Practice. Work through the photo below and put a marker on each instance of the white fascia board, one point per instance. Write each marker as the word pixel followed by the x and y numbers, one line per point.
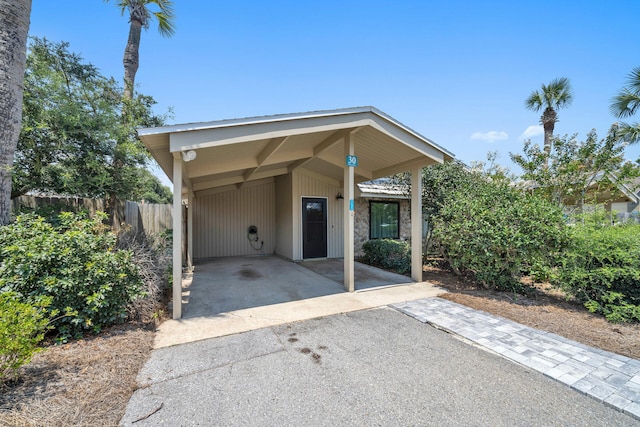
pixel 258 131
pixel 186 127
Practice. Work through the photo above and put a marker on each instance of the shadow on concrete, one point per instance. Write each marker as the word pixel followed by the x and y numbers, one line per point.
pixel 222 285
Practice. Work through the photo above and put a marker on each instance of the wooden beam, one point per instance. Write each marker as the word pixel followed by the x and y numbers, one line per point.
pixel 264 155
pixel 271 148
pixel 330 141
pixel 349 217
pixel 416 224
pixel 177 237
pixel 299 163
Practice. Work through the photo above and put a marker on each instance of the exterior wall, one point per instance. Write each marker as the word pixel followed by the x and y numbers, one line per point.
pixel 220 221
pixel 284 216
pixel 623 207
pixel 362 221
pixel 308 184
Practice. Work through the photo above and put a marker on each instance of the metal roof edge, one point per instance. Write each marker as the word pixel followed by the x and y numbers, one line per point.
pixel 185 127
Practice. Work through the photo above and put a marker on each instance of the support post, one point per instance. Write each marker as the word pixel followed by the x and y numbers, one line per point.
pixel 190 196
pixel 349 215
pixel 416 224
pixel 177 237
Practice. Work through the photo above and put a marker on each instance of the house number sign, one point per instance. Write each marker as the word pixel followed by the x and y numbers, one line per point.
pixel 352 161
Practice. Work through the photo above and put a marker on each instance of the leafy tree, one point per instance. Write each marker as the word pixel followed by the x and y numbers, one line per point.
pixel 550 98
pixel 14 26
pixel 625 104
pixel 140 15
pixel 576 172
pixel 74 140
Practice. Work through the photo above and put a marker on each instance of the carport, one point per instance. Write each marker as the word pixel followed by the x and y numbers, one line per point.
pixel 283 184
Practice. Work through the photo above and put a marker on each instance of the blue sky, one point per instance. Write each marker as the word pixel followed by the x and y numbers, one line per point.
pixel 455 71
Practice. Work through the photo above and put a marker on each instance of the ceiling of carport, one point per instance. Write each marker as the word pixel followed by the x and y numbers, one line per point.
pixel 237 151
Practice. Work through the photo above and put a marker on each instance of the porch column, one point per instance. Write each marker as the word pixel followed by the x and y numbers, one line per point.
pixel 416 224
pixel 177 236
pixel 190 230
pixel 349 215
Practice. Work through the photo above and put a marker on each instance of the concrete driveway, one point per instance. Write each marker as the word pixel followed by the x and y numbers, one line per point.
pixel 238 294
pixel 369 367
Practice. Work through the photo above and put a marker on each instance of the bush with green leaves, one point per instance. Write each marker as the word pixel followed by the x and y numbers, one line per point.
pixel 388 253
pixel 22 327
pixel 75 262
pixel 602 267
pixel 489 229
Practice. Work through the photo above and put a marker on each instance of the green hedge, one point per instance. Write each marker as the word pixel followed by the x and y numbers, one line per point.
pixel 497 233
pixel 602 268
pixel 22 327
pixel 76 264
pixel 387 253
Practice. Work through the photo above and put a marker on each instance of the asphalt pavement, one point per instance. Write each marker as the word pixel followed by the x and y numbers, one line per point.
pixel 366 368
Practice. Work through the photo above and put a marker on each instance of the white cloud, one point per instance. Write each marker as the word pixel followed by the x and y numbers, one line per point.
pixel 491 136
pixel 531 131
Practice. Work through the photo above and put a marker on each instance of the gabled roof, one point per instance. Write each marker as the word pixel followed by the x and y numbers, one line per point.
pixel 232 152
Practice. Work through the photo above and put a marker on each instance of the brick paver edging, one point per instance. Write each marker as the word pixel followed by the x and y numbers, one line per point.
pixel 607 377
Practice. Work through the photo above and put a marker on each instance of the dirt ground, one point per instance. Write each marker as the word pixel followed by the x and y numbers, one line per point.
pixel 89 382
pixel 83 383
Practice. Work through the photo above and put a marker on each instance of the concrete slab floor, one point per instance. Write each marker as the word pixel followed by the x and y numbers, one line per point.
pixel 366 276
pixel 232 295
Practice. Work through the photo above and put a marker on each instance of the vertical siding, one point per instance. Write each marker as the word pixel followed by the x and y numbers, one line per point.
pixel 221 221
pixel 284 216
pixel 308 186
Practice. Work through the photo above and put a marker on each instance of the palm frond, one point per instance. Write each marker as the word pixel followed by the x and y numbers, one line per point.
pixel 165 17
pixel 627 101
pixel 534 101
pixel 629 132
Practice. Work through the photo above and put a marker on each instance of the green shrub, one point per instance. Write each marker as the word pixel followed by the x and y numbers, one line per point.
pixel 602 268
pixel 387 253
pixel 75 263
pixel 495 232
pixel 22 327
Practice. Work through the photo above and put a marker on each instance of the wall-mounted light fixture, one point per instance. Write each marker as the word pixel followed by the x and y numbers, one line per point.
pixel 339 196
pixel 187 156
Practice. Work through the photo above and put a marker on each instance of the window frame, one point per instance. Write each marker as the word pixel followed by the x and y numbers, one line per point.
pixel 384 202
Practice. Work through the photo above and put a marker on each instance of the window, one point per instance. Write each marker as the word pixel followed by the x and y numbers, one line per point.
pixel 384 220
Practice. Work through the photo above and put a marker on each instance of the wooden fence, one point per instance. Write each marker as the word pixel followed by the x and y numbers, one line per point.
pixel 142 217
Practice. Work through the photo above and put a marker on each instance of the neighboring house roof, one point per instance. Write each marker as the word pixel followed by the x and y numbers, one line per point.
pixel 382 188
pixel 232 152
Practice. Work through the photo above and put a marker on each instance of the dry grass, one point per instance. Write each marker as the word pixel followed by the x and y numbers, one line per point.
pixel 84 383
pixel 546 308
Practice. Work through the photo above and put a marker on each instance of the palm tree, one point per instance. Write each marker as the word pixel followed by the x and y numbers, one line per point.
pixel 626 104
pixel 14 27
pixel 551 97
pixel 140 15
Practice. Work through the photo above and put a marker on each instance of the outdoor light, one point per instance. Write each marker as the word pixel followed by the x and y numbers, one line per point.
pixel 339 196
pixel 187 156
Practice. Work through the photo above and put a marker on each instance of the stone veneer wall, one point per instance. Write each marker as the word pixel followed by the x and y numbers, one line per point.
pixel 362 221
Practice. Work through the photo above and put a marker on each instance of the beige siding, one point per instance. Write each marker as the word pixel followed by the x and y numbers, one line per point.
pixel 221 221
pixel 284 216
pixel 309 185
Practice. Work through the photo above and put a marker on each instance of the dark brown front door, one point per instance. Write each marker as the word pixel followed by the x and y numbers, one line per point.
pixel 314 227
